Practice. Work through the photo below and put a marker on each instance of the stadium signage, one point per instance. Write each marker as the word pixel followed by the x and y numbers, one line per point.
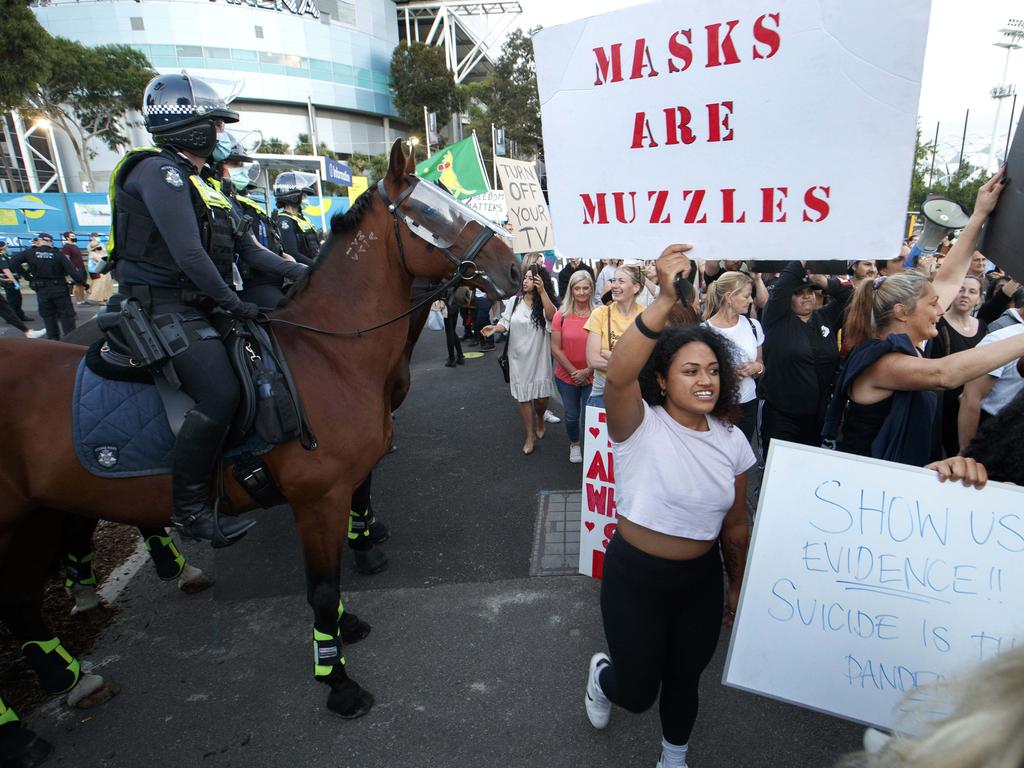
pixel 296 7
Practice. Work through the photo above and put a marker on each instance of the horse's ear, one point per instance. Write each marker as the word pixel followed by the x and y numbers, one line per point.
pixel 410 161
pixel 397 164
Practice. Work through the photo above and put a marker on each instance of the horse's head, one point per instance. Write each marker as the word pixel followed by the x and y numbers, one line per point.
pixel 447 235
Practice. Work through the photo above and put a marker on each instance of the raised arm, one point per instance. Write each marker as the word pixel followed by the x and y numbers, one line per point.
pixel 778 306
pixel 951 274
pixel 622 390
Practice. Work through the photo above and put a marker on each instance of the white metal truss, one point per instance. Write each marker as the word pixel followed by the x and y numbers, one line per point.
pixel 41 171
pixel 441 23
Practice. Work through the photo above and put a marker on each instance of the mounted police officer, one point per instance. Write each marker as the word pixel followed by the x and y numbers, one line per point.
pixel 49 270
pixel 298 236
pixel 262 268
pixel 173 243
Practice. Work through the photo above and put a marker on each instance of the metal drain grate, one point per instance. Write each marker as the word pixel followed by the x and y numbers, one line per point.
pixel 556 538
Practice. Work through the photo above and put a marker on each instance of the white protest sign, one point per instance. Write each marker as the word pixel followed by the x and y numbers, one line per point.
pixel 867 579
pixel 752 131
pixel 599 514
pixel 528 218
pixel 490 205
pixel 92 214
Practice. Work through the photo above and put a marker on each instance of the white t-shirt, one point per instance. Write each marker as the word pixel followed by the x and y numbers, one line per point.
pixel 601 284
pixel 746 336
pixel 676 480
pixel 1008 382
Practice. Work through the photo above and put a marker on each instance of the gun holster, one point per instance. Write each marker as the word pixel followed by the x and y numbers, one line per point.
pixel 148 341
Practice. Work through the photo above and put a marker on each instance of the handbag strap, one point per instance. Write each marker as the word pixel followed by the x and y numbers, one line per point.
pixel 508 331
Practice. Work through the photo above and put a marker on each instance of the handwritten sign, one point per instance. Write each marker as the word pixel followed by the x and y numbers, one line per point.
pixel 528 217
pixel 732 124
pixel 490 205
pixel 867 579
pixel 599 514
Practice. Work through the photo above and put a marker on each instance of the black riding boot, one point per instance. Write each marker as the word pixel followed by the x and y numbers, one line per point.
pixel 196 451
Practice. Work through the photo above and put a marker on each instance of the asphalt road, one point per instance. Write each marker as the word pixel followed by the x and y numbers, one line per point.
pixel 472 661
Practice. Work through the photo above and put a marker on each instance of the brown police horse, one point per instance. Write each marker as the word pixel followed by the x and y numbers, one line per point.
pixel 348 385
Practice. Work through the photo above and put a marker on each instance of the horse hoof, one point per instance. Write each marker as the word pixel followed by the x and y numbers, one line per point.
pixel 349 701
pixel 91 691
pixel 352 629
pixel 85 598
pixel 194 580
pixel 370 561
pixel 21 748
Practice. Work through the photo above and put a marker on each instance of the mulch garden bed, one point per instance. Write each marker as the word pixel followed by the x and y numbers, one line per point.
pixel 113 543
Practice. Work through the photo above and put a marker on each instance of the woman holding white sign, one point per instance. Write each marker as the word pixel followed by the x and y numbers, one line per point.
pixel 608 322
pixel 681 477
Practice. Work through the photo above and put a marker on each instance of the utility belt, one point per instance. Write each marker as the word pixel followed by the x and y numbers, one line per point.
pixel 149 296
pixel 47 283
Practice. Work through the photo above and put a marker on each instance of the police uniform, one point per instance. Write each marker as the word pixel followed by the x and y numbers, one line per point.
pixel 172 246
pixel 49 270
pixel 298 237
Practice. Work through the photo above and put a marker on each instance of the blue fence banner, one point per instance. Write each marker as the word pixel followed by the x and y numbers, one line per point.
pixel 338 173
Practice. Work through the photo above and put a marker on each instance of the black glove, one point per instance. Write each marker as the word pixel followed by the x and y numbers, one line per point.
pixel 246 310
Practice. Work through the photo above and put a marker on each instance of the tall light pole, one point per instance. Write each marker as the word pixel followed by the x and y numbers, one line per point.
pixel 1012 34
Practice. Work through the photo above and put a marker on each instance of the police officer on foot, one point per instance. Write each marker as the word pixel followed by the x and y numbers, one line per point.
pixel 298 237
pixel 172 247
pixel 49 270
pixel 262 268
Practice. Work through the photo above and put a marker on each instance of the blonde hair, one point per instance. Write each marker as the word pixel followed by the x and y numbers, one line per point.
pixel 985 730
pixel 634 273
pixel 875 300
pixel 727 282
pixel 568 302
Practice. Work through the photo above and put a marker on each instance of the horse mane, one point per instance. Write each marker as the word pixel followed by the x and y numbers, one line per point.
pixel 340 224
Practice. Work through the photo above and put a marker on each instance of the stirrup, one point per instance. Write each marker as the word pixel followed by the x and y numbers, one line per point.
pixel 218 539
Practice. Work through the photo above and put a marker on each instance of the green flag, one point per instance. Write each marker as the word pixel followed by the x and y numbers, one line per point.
pixel 459 168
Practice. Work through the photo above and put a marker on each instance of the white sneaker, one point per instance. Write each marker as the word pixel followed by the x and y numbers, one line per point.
pixel 36 334
pixel 550 418
pixel 599 709
pixel 575 455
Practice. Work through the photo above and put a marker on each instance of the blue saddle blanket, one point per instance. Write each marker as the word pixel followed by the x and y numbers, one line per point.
pixel 120 429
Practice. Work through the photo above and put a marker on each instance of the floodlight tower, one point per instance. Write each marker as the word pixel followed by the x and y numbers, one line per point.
pixel 1012 34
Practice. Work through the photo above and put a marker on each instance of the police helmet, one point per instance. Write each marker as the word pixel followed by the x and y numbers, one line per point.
pixel 180 111
pixel 290 186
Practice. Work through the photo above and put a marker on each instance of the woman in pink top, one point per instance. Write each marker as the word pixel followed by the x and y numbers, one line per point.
pixel 569 347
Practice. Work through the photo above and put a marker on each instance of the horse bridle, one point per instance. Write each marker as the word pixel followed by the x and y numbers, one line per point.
pixel 465 268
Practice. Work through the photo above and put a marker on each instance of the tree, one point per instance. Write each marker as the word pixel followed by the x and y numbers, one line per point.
pixel 273 146
pixel 959 185
pixel 88 94
pixel 514 103
pixel 420 78
pixel 305 147
pixel 374 167
pixel 27 44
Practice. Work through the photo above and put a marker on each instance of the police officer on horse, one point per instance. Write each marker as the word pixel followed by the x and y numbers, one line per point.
pixel 173 244
pixel 298 236
pixel 262 268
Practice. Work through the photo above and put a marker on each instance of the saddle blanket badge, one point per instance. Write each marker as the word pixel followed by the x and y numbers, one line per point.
pixel 106 456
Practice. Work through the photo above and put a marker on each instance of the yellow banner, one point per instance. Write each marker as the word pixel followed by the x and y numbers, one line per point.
pixel 359 185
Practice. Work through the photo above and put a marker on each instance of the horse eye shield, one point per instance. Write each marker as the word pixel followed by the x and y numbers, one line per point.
pixel 440 219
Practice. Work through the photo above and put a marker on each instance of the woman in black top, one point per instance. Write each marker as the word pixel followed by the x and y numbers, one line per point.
pixel 958 330
pixel 801 355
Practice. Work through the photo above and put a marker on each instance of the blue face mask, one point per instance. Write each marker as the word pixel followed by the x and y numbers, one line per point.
pixel 240 177
pixel 223 149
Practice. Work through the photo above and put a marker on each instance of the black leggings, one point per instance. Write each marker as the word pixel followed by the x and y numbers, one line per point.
pixel 450 337
pixel 662 619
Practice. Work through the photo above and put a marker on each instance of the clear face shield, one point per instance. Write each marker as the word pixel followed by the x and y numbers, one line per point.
pixel 295 181
pixel 213 95
pixel 440 219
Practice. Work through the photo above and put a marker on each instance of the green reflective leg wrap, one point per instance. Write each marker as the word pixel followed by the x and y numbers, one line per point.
pixel 58 670
pixel 359 529
pixel 79 571
pixel 326 653
pixel 7 716
pixel 166 557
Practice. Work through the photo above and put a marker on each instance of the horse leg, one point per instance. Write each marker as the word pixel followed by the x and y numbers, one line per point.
pixel 59 672
pixel 19 745
pixel 170 564
pixel 364 532
pixel 323 532
pixel 76 554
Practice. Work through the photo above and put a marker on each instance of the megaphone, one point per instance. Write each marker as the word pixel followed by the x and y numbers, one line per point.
pixel 941 216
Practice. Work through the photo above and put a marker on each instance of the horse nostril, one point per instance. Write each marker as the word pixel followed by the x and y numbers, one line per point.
pixel 515 273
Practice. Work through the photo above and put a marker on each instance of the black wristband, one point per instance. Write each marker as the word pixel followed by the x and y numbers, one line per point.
pixel 653 335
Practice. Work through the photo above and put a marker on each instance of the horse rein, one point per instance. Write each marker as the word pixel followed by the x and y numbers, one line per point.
pixel 465 269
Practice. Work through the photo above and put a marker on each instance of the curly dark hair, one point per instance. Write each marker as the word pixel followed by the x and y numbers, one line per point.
pixel 537 310
pixel 673 339
pixel 998 444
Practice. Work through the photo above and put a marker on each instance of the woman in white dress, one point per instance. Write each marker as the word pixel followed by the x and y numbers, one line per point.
pixel 527 319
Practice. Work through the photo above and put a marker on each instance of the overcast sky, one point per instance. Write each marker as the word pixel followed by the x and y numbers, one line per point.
pixel 961 65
